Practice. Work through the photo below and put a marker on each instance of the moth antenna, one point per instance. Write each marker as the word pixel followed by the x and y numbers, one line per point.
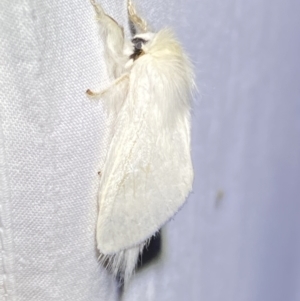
pixel 135 19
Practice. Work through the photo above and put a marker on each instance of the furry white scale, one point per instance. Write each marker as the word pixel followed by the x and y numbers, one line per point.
pixel 148 170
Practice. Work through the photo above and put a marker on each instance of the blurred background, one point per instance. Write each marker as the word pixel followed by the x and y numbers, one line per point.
pixel 237 238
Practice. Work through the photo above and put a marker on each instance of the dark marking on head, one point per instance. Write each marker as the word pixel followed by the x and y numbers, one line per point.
pixel 136 54
pixel 138 48
pixel 138 43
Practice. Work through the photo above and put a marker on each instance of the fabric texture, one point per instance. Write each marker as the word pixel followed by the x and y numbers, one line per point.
pixel 52 142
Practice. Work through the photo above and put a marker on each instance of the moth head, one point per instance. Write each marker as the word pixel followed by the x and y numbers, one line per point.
pixel 139 44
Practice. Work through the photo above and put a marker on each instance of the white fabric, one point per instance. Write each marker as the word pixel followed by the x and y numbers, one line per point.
pixel 51 144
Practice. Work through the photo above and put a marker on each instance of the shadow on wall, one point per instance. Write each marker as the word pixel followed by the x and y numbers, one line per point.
pixel 150 254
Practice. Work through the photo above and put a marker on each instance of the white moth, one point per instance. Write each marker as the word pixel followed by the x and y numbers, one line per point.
pixel 148 171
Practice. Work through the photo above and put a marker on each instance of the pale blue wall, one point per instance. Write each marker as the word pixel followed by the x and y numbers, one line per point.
pixel 246 143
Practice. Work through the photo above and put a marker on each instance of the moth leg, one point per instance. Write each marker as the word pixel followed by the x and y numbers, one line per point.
pixel 137 21
pixel 115 83
pixel 113 36
pixel 106 21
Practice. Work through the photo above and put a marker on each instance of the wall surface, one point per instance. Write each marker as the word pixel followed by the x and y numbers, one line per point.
pixel 238 236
